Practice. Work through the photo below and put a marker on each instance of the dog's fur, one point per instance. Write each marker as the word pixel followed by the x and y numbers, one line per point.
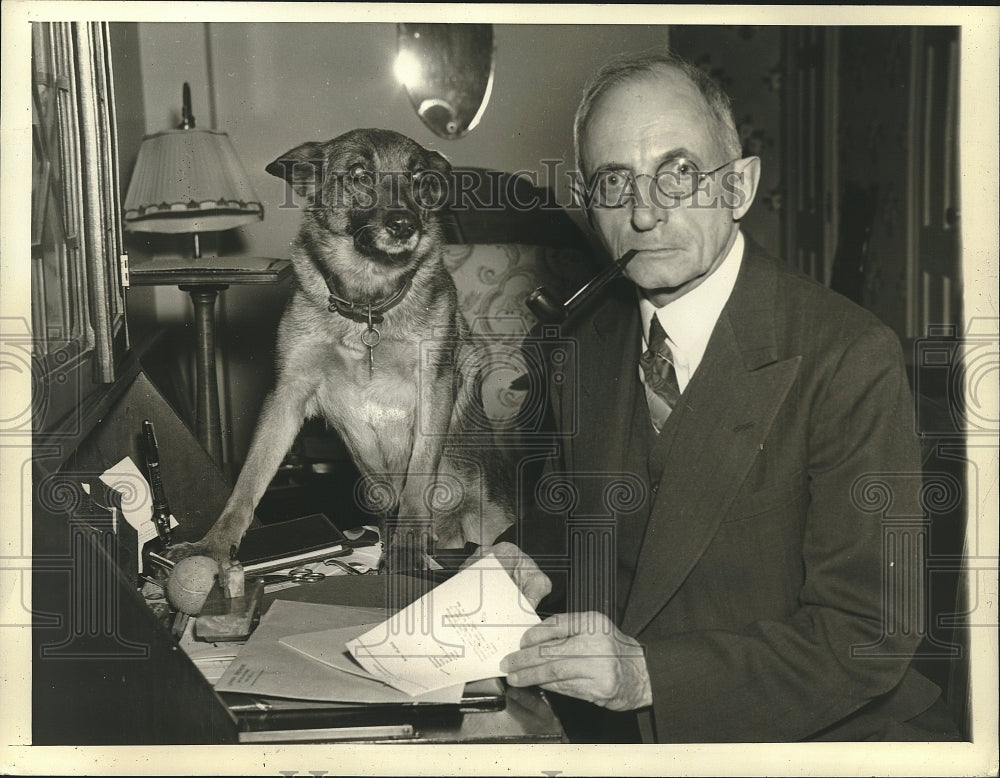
pixel 416 424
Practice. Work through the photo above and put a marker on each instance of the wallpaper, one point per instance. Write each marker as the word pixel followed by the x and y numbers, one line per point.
pixel 747 61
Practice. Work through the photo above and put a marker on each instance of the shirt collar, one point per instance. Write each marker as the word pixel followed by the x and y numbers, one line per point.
pixel 690 319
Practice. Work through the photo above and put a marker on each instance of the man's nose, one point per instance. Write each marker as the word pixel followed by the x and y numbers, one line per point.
pixel 647 211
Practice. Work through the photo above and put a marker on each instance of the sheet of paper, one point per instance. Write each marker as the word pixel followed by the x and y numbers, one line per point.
pixel 211 658
pixel 457 632
pixel 264 666
pixel 329 646
pixel 137 500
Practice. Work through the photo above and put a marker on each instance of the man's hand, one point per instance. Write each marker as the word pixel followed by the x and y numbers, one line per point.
pixel 582 655
pixel 532 582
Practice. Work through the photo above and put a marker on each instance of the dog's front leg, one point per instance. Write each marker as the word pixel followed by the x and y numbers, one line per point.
pixel 280 420
pixel 410 538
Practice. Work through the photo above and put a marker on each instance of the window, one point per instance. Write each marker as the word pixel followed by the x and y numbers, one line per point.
pixel 77 306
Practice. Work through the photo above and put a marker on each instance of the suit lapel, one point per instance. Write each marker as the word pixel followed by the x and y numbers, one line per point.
pixel 608 354
pixel 709 443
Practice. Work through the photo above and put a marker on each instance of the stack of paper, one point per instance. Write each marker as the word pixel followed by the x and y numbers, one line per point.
pixel 427 652
pixel 456 633
pixel 266 667
pixel 211 658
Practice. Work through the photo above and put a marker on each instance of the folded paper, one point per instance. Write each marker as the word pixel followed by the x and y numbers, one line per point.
pixel 456 633
pixel 264 666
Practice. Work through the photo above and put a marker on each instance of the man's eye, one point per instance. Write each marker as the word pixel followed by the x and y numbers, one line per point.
pixel 613 182
pixel 680 167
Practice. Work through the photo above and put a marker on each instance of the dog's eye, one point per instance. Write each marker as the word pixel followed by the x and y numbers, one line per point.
pixel 359 174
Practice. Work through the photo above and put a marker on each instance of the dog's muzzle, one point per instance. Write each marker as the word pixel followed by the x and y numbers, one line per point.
pixel 389 236
pixel 401 224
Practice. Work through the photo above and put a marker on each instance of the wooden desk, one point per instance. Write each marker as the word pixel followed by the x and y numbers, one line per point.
pixel 203 279
pixel 106 670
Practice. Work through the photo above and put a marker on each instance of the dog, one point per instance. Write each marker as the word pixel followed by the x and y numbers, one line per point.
pixel 372 340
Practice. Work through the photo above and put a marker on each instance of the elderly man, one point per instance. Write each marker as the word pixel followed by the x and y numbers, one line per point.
pixel 758 591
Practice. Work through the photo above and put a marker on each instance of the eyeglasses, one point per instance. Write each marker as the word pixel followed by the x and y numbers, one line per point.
pixel 674 180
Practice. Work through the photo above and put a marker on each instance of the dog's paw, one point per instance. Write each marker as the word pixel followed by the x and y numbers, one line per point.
pixel 219 551
pixel 407 549
pixel 179 551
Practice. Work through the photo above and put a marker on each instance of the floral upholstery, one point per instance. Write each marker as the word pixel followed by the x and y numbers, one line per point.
pixel 493 281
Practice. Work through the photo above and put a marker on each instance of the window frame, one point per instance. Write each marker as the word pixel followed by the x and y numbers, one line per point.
pixel 79 333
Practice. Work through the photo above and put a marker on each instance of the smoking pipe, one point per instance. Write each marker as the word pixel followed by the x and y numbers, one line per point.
pixel 545 306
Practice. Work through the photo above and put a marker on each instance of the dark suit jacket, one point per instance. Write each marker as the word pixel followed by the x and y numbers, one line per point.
pixel 778 591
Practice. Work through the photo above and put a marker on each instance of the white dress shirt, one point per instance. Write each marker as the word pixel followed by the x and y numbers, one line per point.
pixel 688 322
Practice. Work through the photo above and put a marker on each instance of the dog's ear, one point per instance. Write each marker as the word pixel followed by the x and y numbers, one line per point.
pixel 437 161
pixel 434 181
pixel 302 167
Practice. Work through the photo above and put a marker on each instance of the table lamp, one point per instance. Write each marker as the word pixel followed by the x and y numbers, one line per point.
pixel 189 180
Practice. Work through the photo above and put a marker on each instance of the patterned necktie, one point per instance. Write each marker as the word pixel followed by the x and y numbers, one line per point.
pixel 658 367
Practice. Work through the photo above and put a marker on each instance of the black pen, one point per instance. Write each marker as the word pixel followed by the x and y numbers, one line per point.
pixel 161 508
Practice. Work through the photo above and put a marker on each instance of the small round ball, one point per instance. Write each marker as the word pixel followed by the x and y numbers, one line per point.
pixel 190 582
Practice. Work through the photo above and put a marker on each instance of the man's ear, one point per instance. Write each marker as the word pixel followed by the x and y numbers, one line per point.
pixel 302 167
pixel 740 185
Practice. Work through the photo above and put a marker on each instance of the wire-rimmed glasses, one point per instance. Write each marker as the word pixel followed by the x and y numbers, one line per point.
pixel 675 180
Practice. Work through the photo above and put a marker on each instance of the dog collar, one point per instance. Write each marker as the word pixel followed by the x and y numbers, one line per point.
pixel 370 313
pixel 366 313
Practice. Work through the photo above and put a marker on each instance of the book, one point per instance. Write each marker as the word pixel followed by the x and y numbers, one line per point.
pixel 288 543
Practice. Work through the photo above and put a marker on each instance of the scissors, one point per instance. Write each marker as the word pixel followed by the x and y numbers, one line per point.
pixel 354 568
pixel 296 574
pixel 305 575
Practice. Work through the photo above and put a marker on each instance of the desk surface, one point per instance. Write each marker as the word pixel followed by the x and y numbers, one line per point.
pixel 527 717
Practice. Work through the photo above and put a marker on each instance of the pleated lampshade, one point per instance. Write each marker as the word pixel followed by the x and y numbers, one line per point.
pixel 189 180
